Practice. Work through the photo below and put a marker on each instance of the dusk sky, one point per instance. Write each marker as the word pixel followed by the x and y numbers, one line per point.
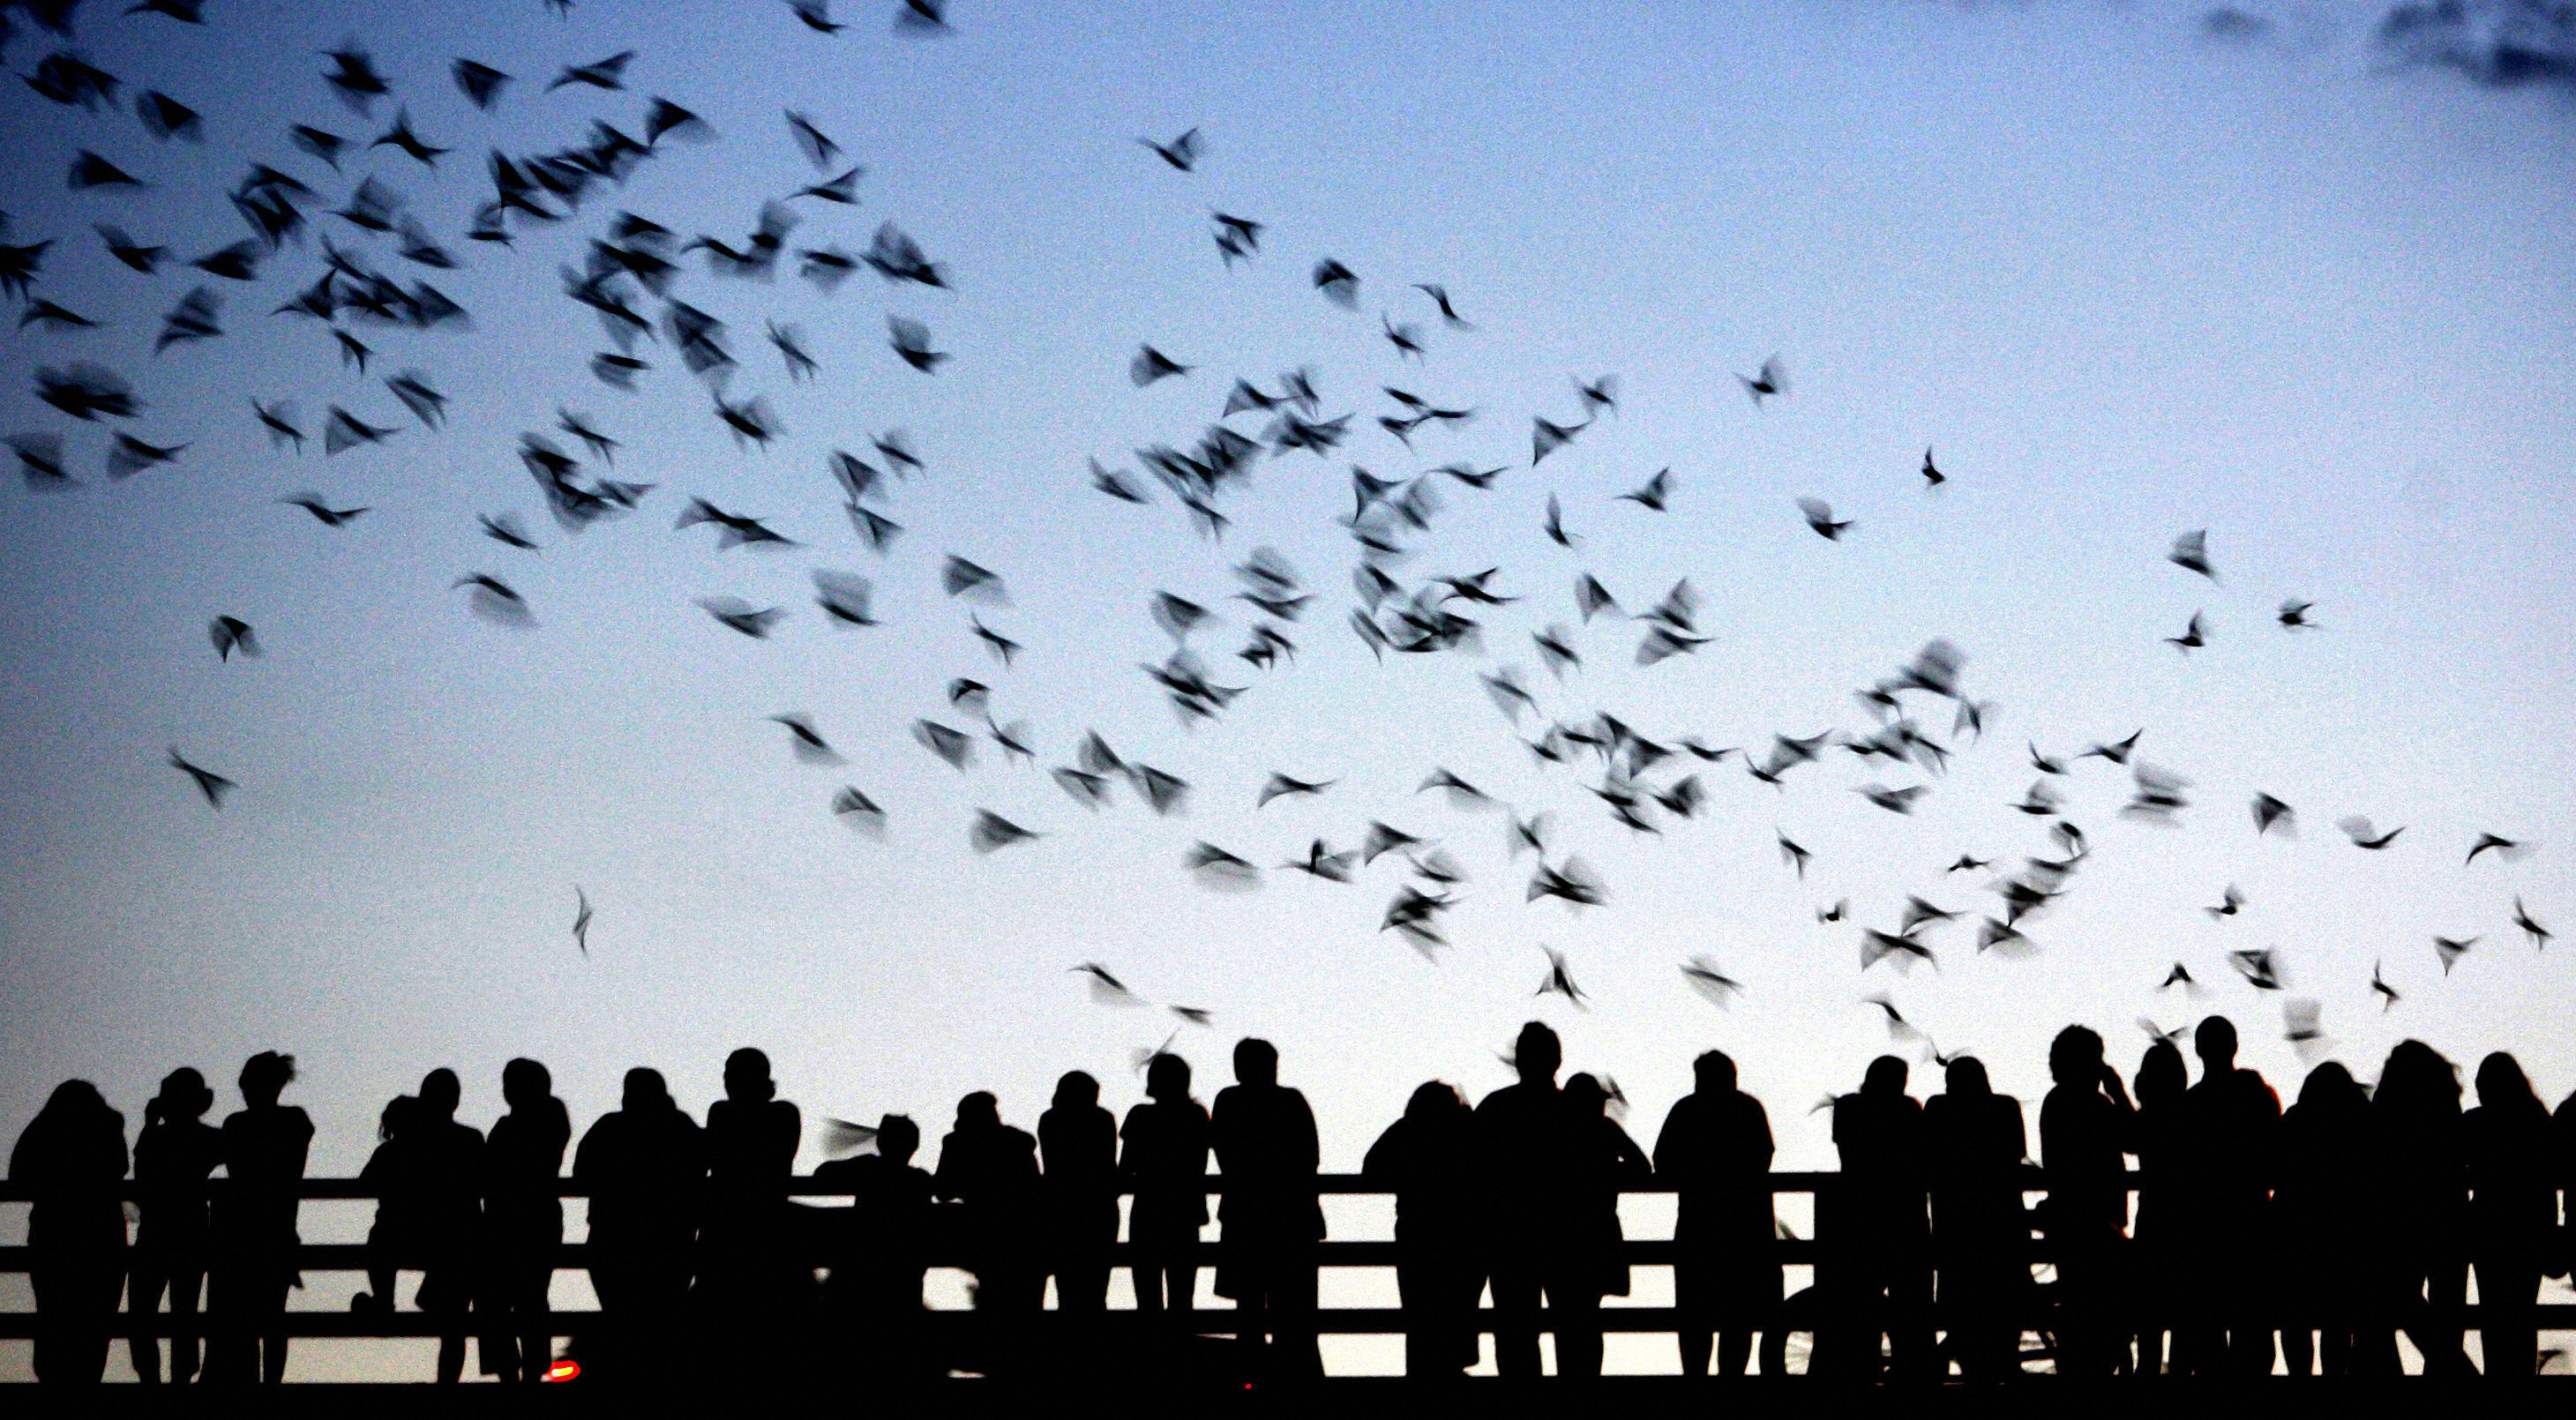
pixel 2130 271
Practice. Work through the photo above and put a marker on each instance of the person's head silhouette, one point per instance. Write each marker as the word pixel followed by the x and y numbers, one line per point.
pixel 1714 1073
pixel 1584 1095
pixel 265 1076
pixel 2161 1075
pixel 440 1093
pixel 2214 1041
pixel 183 1096
pixel 2331 1087
pixel 2502 1085
pixel 525 1084
pixel 75 1100
pixel 1885 1078
pixel 1536 1054
pixel 746 1077
pixel 979 1111
pixel 898 1138
pixel 2075 1058
pixel 399 1115
pixel 1256 1062
pixel 645 1091
pixel 1167 1079
pixel 1432 1100
pixel 1077 1090
pixel 1966 1078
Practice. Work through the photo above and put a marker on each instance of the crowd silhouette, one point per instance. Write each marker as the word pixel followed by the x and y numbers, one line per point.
pixel 2261 1238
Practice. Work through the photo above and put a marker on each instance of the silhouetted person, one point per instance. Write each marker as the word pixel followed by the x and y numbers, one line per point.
pixel 877 1257
pixel 2156 1279
pixel 523 1222
pixel 2513 1211
pixel 1715 1151
pixel 644 1166
pixel 2086 1127
pixel 1264 1135
pixel 991 1170
pixel 2321 1216
pixel 2231 1126
pixel 1975 1142
pixel 749 1277
pixel 173 1158
pixel 254 1241
pixel 2562 1130
pixel 1874 1234
pixel 1163 1161
pixel 1601 1162
pixel 71 1162
pixel 427 1179
pixel 2421 1256
pixel 1524 1136
pixel 1078 1144
pixel 1427 1158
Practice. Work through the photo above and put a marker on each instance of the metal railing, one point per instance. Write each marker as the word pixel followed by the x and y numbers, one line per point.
pixel 1792 1313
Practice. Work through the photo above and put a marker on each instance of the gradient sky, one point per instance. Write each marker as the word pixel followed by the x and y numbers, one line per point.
pixel 2130 272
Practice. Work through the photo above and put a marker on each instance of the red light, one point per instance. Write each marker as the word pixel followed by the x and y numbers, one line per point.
pixel 566 1369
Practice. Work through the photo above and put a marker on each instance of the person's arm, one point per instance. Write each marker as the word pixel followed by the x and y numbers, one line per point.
pixel 1668 1158
pixel 1308 1156
pixel 1628 1163
pixel 1221 1132
pixel 1379 1164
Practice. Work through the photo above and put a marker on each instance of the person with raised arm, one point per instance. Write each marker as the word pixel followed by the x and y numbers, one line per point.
pixel 2086 1128
pixel 173 1159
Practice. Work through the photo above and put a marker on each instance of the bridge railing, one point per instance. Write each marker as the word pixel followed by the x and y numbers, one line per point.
pixel 943 1251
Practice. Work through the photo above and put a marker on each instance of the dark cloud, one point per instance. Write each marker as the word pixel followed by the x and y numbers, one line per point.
pixel 2498 43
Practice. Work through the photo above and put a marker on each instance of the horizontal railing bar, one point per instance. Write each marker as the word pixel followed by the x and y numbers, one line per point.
pixel 1329 1321
pixel 804 1186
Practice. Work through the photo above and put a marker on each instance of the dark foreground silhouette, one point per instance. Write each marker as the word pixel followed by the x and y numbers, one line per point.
pixel 2306 1239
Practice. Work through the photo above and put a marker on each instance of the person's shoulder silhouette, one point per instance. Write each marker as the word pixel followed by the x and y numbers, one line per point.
pixel 266 1142
pixel 177 1150
pixel 751 1134
pixel 1878 1129
pixel 984 1163
pixel 72 1157
pixel 1265 1140
pixel 1717 1135
pixel 1079 1139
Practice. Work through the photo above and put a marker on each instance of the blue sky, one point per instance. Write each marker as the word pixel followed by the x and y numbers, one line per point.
pixel 2129 276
